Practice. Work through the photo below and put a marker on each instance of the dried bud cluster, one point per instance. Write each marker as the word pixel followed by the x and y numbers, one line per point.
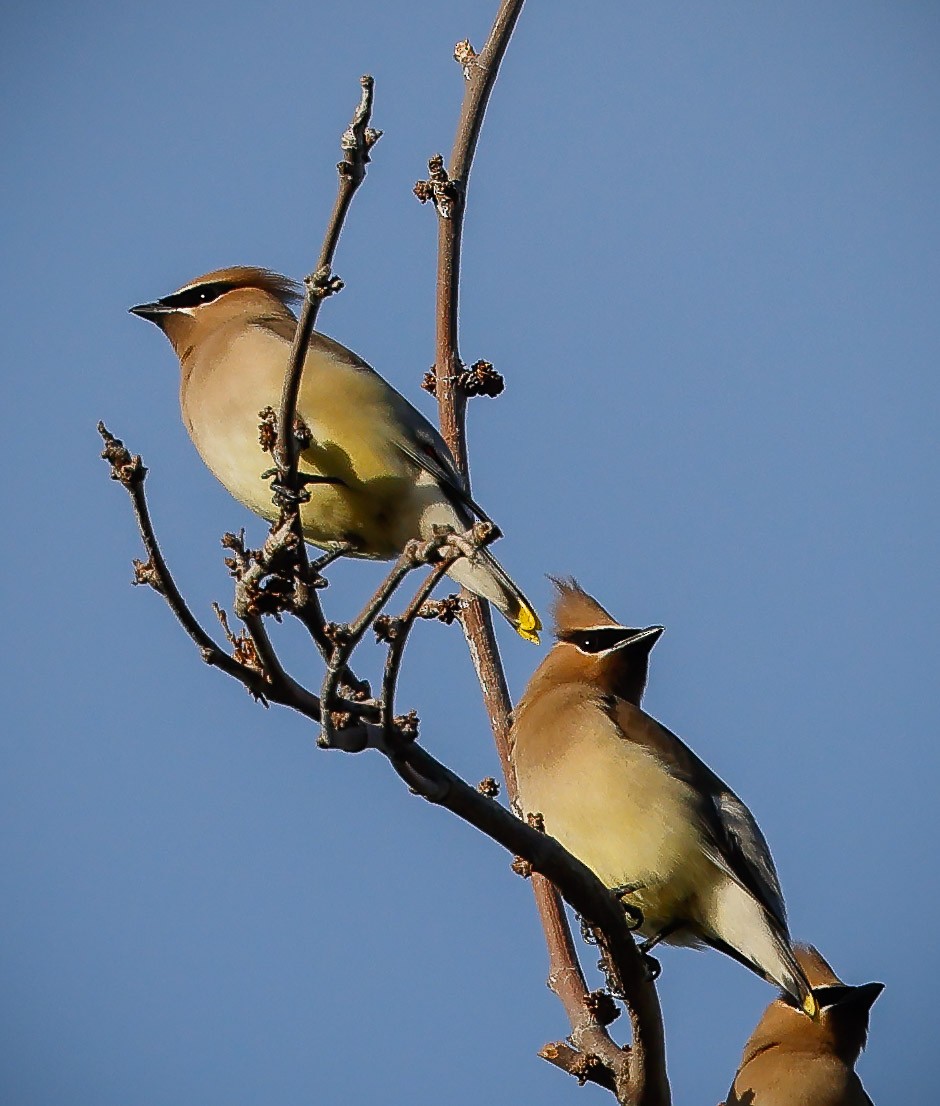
pixel 243 648
pixel 445 610
pixel 406 726
pixel 323 283
pixel 145 572
pixel 439 188
pixel 267 429
pixel 603 1007
pixel 465 55
pixel 481 379
pixel 387 628
pixel 124 467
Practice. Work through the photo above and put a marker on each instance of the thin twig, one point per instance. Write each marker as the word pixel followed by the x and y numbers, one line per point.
pixel 130 471
pixel 358 139
pixel 356 142
pixel 637 1075
pixel 283 687
pixel 396 649
pixel 445 547
pixel 347 637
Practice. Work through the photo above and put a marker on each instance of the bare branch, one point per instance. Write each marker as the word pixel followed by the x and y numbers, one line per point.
pixel 420 770
pixel 283 441
pixel 130 471
pixel 356 143
pixel 396 649
pixel 442 550
pixel 637 1075
pixel 283 687
pixel 480 71
pixel 279 578
pixel 267 583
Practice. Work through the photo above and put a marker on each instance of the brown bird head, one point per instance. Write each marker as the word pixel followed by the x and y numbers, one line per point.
pixel 242 292
pixel 842 1025
pixel 593 645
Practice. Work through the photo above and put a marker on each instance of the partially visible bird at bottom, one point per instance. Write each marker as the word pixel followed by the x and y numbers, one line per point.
pixel 628 798
pixel 792 1061
pixel 383 474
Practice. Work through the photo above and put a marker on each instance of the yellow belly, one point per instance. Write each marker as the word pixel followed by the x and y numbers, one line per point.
pixel 379 497
pixel 614 807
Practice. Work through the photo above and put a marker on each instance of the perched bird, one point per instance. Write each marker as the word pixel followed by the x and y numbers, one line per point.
pixel 386 474
pixel 637 806
pixel 790 1061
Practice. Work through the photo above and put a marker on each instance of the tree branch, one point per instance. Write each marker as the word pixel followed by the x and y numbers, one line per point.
pixel 289 488
pixel 356 143
pixel 279 578
pixel 258 668
pixel 637 1075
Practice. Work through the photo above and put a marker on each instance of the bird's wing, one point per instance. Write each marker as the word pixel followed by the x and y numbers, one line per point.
pixel 417 439
pixel 733 839
pixel 437 462
pixel 422 444
pixel 746 855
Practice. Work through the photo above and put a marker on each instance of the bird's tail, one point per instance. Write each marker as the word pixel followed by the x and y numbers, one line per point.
pixel 794 981
pixel 484 576
pixel 770 954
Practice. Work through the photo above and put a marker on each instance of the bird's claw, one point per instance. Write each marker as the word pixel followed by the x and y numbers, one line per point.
pixel 285 497
pixel 633 914
pixel 331 555
pixel 291 497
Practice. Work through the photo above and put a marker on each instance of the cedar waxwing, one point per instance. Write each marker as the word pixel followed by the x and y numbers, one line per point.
pixel 390 474
pixel 637 806
pixel 792 1061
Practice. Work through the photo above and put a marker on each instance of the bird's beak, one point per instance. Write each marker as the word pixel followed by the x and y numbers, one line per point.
pixel 843 995
pixel 866 994
pixel 151 311
pixel 649 637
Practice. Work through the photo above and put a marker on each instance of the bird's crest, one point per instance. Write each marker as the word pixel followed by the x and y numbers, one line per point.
pixel 818 971
pixel 574 609
pixel 250 276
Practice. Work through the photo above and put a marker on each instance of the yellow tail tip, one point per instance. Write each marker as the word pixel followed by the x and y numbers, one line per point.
pixel 811 1006
pixel 528 625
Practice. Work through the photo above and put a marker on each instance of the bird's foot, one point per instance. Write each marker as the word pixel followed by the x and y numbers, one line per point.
pixel 340 549
pixel 633 913
pixel 285 497
pixel 460 542
pixel 652 942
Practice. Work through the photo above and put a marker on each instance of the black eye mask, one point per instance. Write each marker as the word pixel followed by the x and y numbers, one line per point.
pixel 194 297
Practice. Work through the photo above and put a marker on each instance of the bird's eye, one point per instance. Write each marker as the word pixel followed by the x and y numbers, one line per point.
pixel 597 641
pixel 200 294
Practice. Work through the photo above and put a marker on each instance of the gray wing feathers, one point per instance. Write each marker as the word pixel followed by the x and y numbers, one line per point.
pixel 743 853
pixel 420 441
pixel 733 840
pixel 428 450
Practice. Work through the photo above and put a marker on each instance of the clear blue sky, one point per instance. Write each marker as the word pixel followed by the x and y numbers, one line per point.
pixel 703 248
